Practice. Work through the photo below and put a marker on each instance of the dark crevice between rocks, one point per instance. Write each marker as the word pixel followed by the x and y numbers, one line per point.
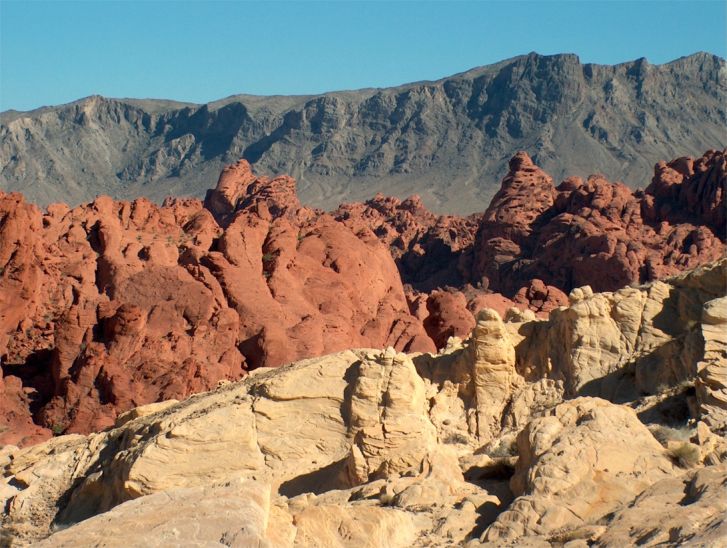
pixel 252 351
pixel 36 378
pixel 495 479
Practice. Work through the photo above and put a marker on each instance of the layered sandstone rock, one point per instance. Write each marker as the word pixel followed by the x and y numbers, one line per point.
pixel 494 372
pixel 231 187
pixel 634 341
pixel 680 510
pixel 235 512
pixel 572 469
pixel 712 370
pixel 689 190
pixel 448 315
pixel 540 298
pixel 388 413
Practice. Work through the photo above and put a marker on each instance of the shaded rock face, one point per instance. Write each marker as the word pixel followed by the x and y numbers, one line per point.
pixel 448 140
pixel 537 241
pixel 636 340
pixel 712 382
pixel 372 448
pixel 115 304
pixel 448 316
pixel 688 508
pixel 430 250
pixel 579 448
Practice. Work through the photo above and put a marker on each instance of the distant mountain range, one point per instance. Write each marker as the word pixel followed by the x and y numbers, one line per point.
pixel 448 140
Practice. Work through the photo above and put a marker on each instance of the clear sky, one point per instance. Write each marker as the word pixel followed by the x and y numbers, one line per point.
pixel 56 52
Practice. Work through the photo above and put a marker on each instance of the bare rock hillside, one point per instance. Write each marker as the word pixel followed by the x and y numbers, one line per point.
pixel 447 140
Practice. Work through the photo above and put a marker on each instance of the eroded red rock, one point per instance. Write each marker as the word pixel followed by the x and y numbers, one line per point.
pixel 600 233
pixel 111 305
pixel 540 298
pixel 448 316
pixel 430 250
pixel 124 303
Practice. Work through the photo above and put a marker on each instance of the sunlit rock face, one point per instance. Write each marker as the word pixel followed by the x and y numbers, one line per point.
pixel 112 305
pixel 491 440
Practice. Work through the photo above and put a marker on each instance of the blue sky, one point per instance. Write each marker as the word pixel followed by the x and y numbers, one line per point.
pixel 56 52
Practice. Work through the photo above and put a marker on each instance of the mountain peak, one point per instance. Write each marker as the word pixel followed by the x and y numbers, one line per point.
pixel 449 141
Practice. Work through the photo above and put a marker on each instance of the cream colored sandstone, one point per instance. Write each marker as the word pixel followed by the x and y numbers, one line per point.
pixel 370 446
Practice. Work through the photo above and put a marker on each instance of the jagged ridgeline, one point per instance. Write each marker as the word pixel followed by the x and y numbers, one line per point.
pixel 447 140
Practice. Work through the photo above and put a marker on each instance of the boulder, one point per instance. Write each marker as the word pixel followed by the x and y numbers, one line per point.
pixel 572 469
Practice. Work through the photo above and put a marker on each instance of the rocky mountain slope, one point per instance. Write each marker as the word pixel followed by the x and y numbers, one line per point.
pixel 111 305
pixel 601 426
pixel 448 141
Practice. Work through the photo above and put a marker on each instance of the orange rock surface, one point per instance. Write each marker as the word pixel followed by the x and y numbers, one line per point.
pixel 116 304
pixel 112 305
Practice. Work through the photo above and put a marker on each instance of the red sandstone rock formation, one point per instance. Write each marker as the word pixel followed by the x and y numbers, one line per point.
pixel 448 316
pixel 540 298
pixel 600 233
pixel 115 304
pixel 688 190
pixel 430 250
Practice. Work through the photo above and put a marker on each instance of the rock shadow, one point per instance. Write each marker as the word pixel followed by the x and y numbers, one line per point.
pixel 36 377
pixel 319 481
pixel 674 410
pixel 495 479
pixel 350 375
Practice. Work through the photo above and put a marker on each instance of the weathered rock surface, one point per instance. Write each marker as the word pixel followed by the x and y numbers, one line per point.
pixel 430 250
pixel 448 315
pixel 687 510
pixel 599 233
pixel 637 340
pixel 712 370
pixel 116 304
pixel 448 140
pixel 572 469
pixel 379 448
pixel 112 305
pixel 388 413
pixel 495 377
pixel 233 514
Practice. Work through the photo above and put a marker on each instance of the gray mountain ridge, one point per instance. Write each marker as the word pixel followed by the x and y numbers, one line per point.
pixel 447 140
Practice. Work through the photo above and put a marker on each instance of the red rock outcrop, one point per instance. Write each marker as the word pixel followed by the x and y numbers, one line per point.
pixel 115 304
pixel 600 233
pixel 111 305
pixel 689 190
pixel 430 250
pixel 232 185
pixel 448 316
pixel 540 298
